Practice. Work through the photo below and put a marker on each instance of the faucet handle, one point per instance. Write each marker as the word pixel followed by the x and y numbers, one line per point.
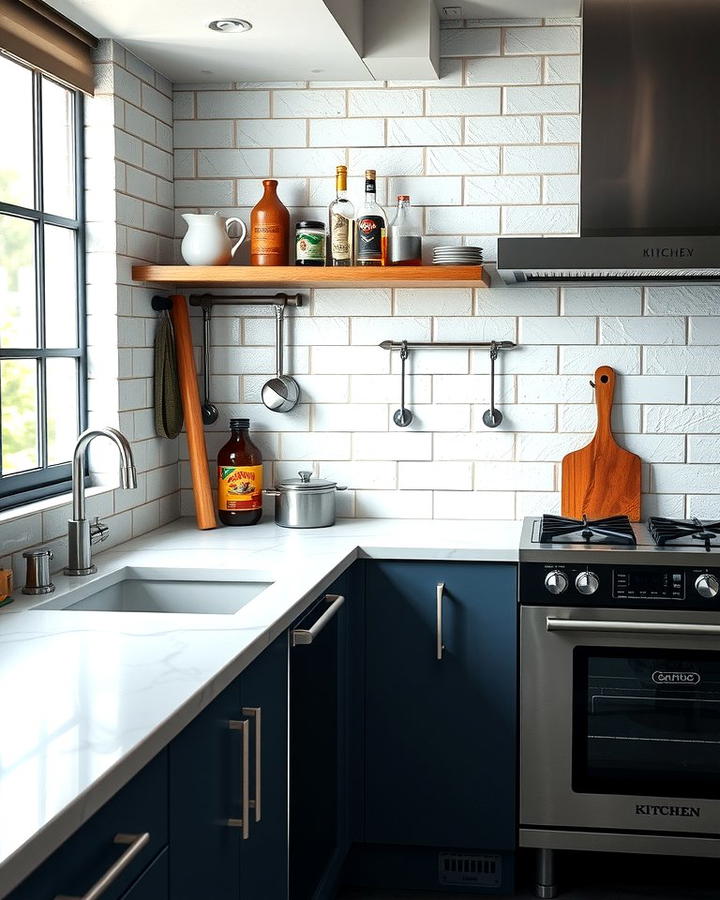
pixel 99 531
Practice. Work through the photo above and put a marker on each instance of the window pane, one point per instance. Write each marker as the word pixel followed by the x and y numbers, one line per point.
pixel 58 155
pixel 18 404
pixel 16 147
pixel 62 411
pixel 17 282
pixel 60 287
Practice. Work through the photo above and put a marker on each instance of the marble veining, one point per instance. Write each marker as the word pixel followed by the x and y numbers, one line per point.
pixel 90 697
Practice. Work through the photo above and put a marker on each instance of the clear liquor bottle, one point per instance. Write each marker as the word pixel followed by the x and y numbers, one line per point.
pixel 341 224
pixel 370 228
pixel 405 240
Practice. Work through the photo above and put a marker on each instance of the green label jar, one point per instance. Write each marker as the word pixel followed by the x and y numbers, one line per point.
pixel 310 244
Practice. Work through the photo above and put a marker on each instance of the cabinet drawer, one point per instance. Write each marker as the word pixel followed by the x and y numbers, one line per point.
pixel 139 808
pixel 153 883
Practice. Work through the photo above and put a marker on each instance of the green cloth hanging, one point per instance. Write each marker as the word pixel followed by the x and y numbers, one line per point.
pixel 168 409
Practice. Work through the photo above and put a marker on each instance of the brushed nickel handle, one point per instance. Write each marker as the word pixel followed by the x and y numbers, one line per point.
pixel 678 628
pixel 243 726
pixel 308 635
pixel 255 712
pixel 135 843
pixel 439 595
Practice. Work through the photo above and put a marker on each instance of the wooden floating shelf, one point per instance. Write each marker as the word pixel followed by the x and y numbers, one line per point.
pixel 315 276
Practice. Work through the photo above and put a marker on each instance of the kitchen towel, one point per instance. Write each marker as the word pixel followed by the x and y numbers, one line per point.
pixel 168 410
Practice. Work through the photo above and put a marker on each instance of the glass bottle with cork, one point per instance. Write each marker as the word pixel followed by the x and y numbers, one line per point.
pixel 240 477
pixel 370 228
pixel 341 215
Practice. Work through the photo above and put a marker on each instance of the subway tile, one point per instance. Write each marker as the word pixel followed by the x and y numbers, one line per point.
pixel 704 389
pixel 233 164
pixel 394 504
pixel 431 302
pixel 309 162
pixel 316 332
pixel 471 388
pixel 374 329
pixel 204 134
pixel 626 418
pixel 514 476
pixel 347 302
pixel 349 417
pixel 362 475
pixel 681 419
pixel 385 389
pixel 474 505
pixel 183 105
pixel 557 98
pixel 561 189
pixel 427 190
pixel 203 192
pixel 313 446
pixel 526 41
pixel 681 360
pixel 503 189
pixel 436 417
pixel 462 160
pixel 642 330
pixel 704 330
pixel 433 362
pixel 474 328
pixel 523 360
pixel 268 133
pixel 347 132
pixel 703 506
pixel 424 132
pixel 474 446
pixel 554 389
pixel 394 102
pixel 451 476
pixel 548 447
pixel 232 104
pixel 504 71
pixel 350 361
pixel 390 160
pixel 702 448
pixel 601 301
pixel 584 359
pixel 563 69
pixel 557 330
pixel 470 220
pixel 502 129
pixel 309 104
pixel 523 417
pixel 552 219
pixel 683 300
pixel 465 101
pixel 561 129
pixel 657 448
pixel 540 160
pixel 685 478
pixel 470 42
pixel 398 445
pixel 156 103
pixel 536 503
pixel 530 301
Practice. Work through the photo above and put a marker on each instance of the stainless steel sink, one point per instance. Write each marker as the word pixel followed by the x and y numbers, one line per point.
pixel 162 596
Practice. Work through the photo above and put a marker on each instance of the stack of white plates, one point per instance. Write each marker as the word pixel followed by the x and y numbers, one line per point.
pixel 457 256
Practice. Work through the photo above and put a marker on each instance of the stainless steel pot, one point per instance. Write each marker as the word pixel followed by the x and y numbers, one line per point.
pixel 302 503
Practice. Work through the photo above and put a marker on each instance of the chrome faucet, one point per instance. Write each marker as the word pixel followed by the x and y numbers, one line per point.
pixel 81 534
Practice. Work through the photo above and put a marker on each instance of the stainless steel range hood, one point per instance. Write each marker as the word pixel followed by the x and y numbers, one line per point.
pixel 650 152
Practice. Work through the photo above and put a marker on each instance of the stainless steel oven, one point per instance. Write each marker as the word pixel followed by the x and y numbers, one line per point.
pixel 620 729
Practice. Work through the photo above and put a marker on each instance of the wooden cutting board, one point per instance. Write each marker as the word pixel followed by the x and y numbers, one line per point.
pixel 602 479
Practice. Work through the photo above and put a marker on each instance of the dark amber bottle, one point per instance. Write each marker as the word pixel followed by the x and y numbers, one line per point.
pixel 240 477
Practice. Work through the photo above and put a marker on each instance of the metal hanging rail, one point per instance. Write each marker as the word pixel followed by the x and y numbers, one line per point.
pixel 206 301
pixel 447 345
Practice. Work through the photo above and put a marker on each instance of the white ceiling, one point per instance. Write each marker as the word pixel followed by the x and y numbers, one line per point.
pixel 291 40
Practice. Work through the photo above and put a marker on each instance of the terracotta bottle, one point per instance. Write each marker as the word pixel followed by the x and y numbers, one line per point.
pixel 269 229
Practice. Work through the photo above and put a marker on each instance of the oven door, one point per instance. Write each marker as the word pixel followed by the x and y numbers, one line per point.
pixel 620 719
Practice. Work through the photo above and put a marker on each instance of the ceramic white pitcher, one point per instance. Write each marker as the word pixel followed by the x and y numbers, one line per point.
pixel 206 242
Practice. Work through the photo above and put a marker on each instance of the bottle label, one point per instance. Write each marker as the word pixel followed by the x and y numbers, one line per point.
pixel 309 245
pixel 340 236
pixel 370 230
pixel 266 239
pixel 240 488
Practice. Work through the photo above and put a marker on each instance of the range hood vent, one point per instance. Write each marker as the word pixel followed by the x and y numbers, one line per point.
pixel 650 182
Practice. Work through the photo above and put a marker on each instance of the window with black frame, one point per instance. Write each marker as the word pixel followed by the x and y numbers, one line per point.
pixel 42 321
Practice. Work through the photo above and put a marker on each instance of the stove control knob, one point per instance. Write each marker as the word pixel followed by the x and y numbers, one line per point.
pixel 587 583
pixel 556 582
pixel 707 586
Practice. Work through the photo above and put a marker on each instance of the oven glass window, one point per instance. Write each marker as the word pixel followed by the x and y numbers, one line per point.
pixel 646 722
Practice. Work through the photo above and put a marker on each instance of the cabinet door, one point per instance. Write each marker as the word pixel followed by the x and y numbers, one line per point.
pixel 317 753
pixel 139 808
pixel 206 784
pixel 264 857
pixel 440 733
pixel 153 883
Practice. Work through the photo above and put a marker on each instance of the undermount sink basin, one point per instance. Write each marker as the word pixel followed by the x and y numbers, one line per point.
pixel 164 596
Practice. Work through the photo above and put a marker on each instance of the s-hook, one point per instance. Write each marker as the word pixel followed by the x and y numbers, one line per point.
pixel 402 417
pixel 492 417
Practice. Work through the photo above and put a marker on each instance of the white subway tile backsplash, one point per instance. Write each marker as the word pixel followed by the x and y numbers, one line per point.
pixel 374 329
pixel 384 389
pixel 397 445
pixel 683 300
pixel 626 418
pixel 704 389
pixel 681 360
pixel 391 160
pixel 394 102
pixel 504 70
pixel 642 330
pixel 451 476
pixel 584 359
pixel 561 129
pixel 540 160
pixel 540 219
pixel 232 104
pixel 528 41
pixel 436 417
pixel 680 419
pixel 557 330
pixel 308 104
pixel 312 162
pixel 232 164
pixel 502 129
pixel 471 220
pixel 461 161
pixel 204 134
pixel 474 505
pixel 394 504
pixel 562 69
pixel 267 133
pixel 431 302
pixel 558 98
pixel 467 101
pixel 704 330
pixel 503 189
pixel 470 42
pixel 601 301
pixel 345 302
pixel 514 476
pixel 424 132
pixel 346 132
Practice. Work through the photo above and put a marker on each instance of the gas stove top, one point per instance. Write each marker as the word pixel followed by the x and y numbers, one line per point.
pixel 549 538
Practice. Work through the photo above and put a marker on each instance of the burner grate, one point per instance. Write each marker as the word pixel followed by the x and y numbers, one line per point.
pixel 665 531
pixel 612 530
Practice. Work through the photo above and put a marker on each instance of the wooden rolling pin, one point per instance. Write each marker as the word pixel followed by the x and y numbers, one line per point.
pixel 187 376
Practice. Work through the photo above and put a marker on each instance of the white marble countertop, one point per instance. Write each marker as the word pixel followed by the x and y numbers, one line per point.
pixel 90 697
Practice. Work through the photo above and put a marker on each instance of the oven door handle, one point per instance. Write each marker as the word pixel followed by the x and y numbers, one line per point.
pixel 668 628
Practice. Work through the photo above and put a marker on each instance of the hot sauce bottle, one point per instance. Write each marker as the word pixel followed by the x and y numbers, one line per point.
pixel 240 477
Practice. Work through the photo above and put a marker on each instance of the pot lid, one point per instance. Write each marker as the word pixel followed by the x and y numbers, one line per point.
pixel 303 483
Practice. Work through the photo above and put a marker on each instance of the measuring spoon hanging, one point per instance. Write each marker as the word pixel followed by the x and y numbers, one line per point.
pixel 208 410
pixel 402 417
pixel 492 417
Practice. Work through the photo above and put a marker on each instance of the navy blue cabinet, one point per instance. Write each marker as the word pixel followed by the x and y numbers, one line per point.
pixel 318 751
pixel 440 718
pixel 228 790
pixel 138 816
pixel 153 883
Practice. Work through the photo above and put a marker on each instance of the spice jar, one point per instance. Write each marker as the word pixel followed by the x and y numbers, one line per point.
pixel 310 244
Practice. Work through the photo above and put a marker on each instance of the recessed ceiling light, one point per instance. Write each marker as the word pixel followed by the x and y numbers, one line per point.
pixel 230 26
